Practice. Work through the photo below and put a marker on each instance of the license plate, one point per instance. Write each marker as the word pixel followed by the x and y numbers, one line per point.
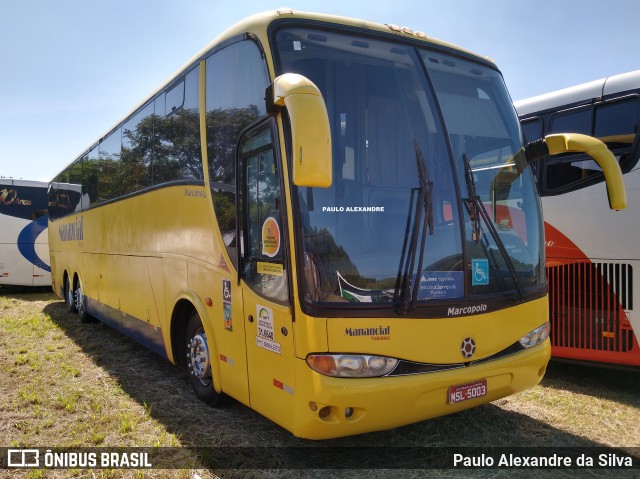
pixel 464 392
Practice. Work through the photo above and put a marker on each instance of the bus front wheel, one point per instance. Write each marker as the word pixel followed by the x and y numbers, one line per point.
pixel 199 361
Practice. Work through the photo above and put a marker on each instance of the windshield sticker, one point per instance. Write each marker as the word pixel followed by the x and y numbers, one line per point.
pixel 441 285
pixel 274 269
pixel 358 295
pixel 270 237
pixel 266 335
pixel 480 272
pixel 226 305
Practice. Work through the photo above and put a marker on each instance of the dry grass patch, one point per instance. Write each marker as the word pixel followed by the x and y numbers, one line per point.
pixel 68 384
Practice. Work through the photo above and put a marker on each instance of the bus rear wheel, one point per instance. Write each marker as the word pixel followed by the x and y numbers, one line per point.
pixel 80 307
pixel 69 296
pixel 199 361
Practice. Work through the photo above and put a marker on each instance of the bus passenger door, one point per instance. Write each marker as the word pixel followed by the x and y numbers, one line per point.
pixel 267 314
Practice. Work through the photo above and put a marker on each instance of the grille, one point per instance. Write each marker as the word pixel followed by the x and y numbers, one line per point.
pixel 587 303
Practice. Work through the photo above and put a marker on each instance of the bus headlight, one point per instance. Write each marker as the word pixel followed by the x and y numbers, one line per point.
pixel 536 336
pixel 351 365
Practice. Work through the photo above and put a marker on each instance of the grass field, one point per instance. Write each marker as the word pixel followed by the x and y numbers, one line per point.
pixel 67 384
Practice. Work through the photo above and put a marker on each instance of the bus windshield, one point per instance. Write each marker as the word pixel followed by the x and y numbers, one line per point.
pixel 431 199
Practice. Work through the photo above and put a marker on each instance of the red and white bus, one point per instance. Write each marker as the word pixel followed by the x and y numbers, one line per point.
pixel 593 257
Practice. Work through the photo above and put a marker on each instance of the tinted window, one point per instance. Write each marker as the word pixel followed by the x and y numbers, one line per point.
pixel 236 81
pixel 90 175
pixel 136 159
pixel 175 98
pixel 617 123
pixel 573 122
pixel 65 196
pixel 532 130
pixel 569 170
pixel 177 135
pixel 149 149
pixel 109 186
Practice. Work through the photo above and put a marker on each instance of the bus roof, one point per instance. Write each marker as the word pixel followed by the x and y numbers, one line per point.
pixel 31 183
pixel 254 22
pixel 583 93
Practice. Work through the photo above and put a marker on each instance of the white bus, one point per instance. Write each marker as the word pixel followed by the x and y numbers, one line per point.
pixel 593 258
pixel 24 245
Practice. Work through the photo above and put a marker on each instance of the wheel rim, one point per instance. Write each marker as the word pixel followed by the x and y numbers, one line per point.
pixel 70 296
pixel 79 300
pixel 198 358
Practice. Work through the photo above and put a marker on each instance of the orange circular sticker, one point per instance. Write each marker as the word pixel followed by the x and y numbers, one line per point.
pixel 270 237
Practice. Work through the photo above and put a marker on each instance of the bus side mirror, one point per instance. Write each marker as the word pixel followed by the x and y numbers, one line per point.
pixel 573 142
pixel 310 129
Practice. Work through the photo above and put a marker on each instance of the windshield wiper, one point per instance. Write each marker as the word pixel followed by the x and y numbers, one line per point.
pixel 407 287
pixel 476 213
pixel 473 200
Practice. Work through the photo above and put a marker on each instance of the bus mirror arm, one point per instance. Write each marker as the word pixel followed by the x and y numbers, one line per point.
pixel 310 128
pixel 576 143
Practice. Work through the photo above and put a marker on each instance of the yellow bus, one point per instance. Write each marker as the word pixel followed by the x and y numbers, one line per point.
pixel 332 221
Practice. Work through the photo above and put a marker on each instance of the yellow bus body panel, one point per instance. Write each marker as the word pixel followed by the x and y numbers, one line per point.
pixel 388 402
pixel 137 258
pixel 385 403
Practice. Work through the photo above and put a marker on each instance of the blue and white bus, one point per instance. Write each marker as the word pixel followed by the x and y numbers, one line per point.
pixel 24 245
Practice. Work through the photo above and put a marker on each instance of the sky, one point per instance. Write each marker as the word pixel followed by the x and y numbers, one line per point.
pixel 71 69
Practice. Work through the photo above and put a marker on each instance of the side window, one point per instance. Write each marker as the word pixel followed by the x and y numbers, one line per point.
pixel 614 123
pixel 74 189
pixel 137 141
pixel 571 171
pixel 532 129
pixel 572 122
pixel 236 80
pixel 263 250
pixel 159 143
pixel 108 166
pixel 65 191
pixel 90 174
pixel 174 98
pixel 617 126
pixel 177 132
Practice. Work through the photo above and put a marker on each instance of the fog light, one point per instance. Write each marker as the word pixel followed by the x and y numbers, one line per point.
pixel 325 412
pixel 348 412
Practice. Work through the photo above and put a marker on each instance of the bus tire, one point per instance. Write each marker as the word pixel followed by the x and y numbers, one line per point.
pixel 79 302
pixel 199 361
pixel 69 296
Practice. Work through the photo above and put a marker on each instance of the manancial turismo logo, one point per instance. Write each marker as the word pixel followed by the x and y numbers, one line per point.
pixel 379 333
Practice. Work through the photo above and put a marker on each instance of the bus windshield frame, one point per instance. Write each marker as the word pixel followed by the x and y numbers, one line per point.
pixel 402 205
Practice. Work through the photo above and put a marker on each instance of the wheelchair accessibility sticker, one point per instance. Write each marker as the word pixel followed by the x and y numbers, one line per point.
pixel 479 272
